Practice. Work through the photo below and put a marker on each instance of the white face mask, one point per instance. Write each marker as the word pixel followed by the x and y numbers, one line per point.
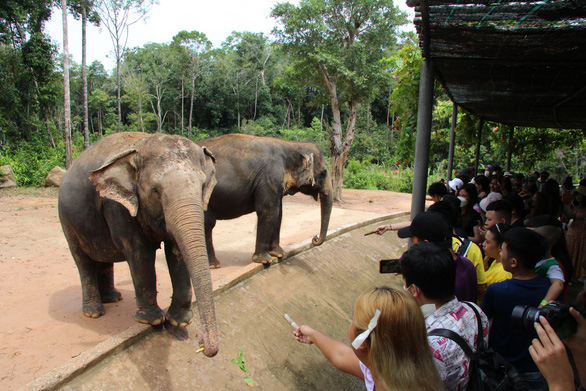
pixel 428 309
pixel 486 173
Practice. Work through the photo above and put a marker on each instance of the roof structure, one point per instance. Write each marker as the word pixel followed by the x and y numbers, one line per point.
pixel 520 63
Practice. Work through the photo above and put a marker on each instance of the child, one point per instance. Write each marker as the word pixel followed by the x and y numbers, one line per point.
pixel 549 266
pixel 389 349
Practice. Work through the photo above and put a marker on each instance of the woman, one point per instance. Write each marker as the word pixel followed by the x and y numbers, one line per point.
pixel 482 186
pixel 493 241
pixel 389 350
pixel 576 235
pixel 470 219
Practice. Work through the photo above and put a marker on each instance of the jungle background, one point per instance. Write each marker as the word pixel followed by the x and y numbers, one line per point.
pixel 278 85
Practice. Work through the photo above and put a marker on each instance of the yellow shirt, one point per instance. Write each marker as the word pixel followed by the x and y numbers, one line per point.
pixel 496 273
pixel 474 254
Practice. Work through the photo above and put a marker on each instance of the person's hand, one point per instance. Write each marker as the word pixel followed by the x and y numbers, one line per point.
pixel 382 229
pixel 549 353
pixel 303 334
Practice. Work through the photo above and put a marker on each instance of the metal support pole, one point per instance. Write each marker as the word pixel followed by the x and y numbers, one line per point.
pixel 452 141
pixel 423 138
pixel 478 141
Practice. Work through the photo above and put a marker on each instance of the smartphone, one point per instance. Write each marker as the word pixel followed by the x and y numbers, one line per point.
pixel 389 266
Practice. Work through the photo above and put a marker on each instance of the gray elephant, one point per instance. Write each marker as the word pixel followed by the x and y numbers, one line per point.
pixel 118 202
pixel 254 173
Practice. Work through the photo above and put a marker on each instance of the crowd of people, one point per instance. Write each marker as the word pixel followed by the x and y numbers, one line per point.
pixel 487 245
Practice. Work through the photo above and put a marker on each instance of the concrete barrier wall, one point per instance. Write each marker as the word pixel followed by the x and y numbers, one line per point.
pixel 317 287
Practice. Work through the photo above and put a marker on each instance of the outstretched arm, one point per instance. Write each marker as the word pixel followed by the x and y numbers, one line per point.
pixel 392 227
pixel 554 291
pixel 338 353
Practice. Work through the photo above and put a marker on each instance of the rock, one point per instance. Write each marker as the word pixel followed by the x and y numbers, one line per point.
pixel 54 177
pixel 7 178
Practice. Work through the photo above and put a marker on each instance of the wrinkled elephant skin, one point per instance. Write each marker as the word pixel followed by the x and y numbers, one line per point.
pixel 123 197
pixel 254 174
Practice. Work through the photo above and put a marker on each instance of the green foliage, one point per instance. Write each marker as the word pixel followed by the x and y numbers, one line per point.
pixel 240 361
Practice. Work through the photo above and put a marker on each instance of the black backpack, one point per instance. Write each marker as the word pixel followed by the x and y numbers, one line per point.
pixel 464 246
pixel 489 371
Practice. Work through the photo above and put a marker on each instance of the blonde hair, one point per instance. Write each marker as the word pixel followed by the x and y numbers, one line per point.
pixel 400 356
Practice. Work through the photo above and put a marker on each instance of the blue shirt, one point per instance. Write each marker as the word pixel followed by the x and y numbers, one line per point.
pixel 499 300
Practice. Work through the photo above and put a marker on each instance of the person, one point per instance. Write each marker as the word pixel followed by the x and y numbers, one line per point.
pixel 495 184
pixel 551 357
pixel 482 186
pixel 576 235
pixel 492 247
pixel 567 191
pixel 461 245
pixel 433 227
pixel 389 348
pixel 436 191
pixel 557 263
pixel 429 274
pixel 543 177
pixel 470 219
pixel 455 185
pixel 520 252
pixel 497 212
pixel 517 210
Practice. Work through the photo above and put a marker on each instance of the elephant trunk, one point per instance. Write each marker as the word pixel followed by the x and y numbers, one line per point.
pixel 184 218
pixel 326 201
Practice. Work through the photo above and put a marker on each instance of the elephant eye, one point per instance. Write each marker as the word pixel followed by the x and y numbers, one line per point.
pixel 155 190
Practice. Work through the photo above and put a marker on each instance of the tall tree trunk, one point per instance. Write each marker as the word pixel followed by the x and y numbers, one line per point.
pixel 182 104
pixel 66 99
pixel 189 131
pixel 86 127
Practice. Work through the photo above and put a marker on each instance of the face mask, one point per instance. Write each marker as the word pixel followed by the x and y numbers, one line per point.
pixel 486 173
pixel 428 309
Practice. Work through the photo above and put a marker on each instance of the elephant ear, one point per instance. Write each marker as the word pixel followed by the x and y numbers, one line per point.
pixel 306 176
pixel 116 180
pixel 210 172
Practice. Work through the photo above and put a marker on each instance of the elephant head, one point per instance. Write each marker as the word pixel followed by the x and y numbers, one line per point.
pixel 165 182
pixel 312 178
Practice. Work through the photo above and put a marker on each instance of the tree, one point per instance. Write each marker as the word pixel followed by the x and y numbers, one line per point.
pixel 86 10
pixel 196 47
pixel 66 100
pixel 344 42
pixel 117 16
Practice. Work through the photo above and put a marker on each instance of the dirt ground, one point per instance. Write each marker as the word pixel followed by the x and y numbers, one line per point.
pixel 43 325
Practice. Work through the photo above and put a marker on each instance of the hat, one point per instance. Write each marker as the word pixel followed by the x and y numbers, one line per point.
pixel 430 226
pixel 456 184
pixel 581 190
pixel 489 199
pixel 508 173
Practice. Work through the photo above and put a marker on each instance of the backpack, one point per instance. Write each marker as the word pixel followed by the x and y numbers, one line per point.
pixel 464 246
pixel 489 371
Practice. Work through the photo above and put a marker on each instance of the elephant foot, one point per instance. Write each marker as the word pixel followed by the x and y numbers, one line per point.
pixel 264 258
pixel 154 316
pixel 179 317
pixel 214 263
pixel 93 311
pixel 277 251
pixel 112 296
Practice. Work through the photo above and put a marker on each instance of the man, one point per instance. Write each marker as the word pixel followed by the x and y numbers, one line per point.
pixel 434 228
pixel 436 191
pixel 521 250
pixel 497 212
pixel 429 274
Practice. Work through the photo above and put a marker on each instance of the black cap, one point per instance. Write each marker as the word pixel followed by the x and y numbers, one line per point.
pixel 430 226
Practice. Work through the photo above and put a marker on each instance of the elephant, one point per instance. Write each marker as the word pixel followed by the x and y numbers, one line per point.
pixel 254 174
pixel 119 200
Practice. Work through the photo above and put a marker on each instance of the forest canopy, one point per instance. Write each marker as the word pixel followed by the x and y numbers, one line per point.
pixel 254 84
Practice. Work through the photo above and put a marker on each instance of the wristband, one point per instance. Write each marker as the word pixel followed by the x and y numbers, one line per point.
pixel 544 302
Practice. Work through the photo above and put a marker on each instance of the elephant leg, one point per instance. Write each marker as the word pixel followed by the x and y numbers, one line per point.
pixel 92 306
pixel 108 293
pixel 210 223
pixel 179 313
pixel 268 214
pixel 140 254
pixel 275 248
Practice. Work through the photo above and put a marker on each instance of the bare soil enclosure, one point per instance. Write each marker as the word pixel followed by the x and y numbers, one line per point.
pixel 44 327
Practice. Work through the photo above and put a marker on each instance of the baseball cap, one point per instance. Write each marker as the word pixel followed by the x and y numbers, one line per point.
pixel 430 226
pixel 489 199
pixel 456 184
